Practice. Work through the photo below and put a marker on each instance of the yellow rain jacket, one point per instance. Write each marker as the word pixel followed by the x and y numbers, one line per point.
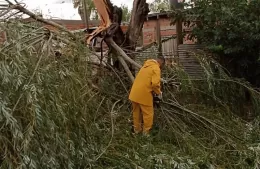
pixel 146 82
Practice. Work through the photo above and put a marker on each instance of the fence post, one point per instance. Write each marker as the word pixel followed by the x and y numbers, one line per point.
pixel 176 4
pixel 158 32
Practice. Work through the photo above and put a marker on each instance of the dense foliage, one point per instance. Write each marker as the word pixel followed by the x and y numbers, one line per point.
pixel 92 12
pixel 159 6
pixel 90 8
pixel 126 13
pixel 230 29
pixel 65 112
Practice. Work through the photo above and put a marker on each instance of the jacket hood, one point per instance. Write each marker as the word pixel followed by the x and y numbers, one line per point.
pixel 150 62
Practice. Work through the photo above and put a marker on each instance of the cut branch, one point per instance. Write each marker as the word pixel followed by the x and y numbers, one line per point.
pixel 146 47
pixel 130 75
pixel 122 53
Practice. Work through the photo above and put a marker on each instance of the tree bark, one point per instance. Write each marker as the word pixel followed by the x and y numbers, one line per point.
pixel 139 13
pixel 128 41
pixel 138 16
pixel 122 53
pixel 130 75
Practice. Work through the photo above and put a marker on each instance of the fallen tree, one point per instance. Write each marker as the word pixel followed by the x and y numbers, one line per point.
pixel 109 29
pixel 111 17
pixel 53 116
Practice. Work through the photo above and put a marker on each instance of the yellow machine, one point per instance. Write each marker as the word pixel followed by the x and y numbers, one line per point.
pixel 104 13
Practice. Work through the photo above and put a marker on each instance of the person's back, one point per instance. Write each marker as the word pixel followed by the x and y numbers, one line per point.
pixel 145 84
pixel 147 79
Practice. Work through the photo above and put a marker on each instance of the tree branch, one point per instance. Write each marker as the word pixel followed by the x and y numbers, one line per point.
pixel 111 42
pixel 138 16
pixel 7 10
pixel 38 18
pixel 146 47
pixel 130 75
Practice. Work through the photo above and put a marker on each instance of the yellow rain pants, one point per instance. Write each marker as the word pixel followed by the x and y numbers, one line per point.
pixel 146 82
pixel 142 113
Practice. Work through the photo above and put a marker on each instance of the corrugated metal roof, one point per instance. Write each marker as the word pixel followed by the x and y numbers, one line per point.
pixel 188 60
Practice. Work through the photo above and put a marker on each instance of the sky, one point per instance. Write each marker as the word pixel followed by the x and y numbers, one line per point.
pixel 63 9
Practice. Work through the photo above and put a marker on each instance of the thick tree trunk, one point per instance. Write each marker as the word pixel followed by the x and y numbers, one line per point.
pixel 111 17
pixel 138 16
pixel 128 41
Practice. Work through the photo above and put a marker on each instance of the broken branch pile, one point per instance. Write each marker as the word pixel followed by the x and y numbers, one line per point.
pixel 55 112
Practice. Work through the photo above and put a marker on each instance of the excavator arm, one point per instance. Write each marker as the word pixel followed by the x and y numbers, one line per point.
pixel 105 14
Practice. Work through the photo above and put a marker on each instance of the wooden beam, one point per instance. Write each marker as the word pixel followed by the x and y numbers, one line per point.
pixel 179 32
pixel 158 32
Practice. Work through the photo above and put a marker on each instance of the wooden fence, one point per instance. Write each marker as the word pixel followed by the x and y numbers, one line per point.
pixel 169 50
pixel 169 47
pixel 184 55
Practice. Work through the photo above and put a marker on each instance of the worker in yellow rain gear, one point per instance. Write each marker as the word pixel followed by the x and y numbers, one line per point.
pixel 146 83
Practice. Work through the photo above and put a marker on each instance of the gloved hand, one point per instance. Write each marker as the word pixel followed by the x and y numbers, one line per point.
pixel 160 96
pixel 157 98
pixel 163 81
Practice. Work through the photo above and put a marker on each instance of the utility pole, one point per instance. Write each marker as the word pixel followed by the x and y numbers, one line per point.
pixel 85 8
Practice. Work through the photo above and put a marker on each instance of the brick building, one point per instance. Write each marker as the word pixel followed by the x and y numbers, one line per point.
pixel 161 21
pixel 157 27
pixel 72 25
pixel 155 21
